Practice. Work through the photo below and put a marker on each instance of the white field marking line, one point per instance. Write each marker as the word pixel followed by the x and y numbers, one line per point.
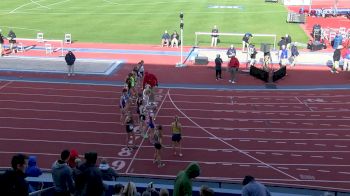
pixel 60 111
pixel 310 186
pixel 61 103
pixel 233 147
pixel 143 139
pixel 36 2
pixel 144 4
pixel 67 89
pixel 63 96
pixel 306 105
pixel 274 120
pixel 19 7
pixel 62 130
pixel 5 85
pixel 261 111
pixel 24 28
pixel 50 5
pixel 248 96
pixel 61 120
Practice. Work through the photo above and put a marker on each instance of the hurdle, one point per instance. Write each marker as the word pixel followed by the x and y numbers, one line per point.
pixel 55 45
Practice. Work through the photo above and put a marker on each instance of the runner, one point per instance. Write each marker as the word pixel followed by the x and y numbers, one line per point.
pixel 176 136
pixel 123 105
pixel 151 126
pixel 158 137
pixel 130 135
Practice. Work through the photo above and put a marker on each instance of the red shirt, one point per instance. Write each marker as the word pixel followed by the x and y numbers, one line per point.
pixel 234 63
pixel 150 79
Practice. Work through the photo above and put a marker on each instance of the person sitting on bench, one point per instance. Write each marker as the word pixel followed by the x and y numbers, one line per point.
pixel 165 39
pixel 175 40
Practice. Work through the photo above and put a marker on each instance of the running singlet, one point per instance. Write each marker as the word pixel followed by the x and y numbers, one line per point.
pixel 176 129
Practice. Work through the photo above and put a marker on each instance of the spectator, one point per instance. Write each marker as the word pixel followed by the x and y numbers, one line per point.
pixel 75 170
pixel 174 39
pixel 108 173
pixel 70 59
pixel 294 54
pixel 165 39
pixel 118 190
pixel 336 59
pixel 12 40
pixel 288 39
pixel 283 56
pixel 267 61
pixel 231 51
pixel 245 40
pixel 1 43
pixel 150 190
pixel 251 55
pixel 62 176
pixel 253 188
pixel 233 67
pixel 163 192
pixel 72 156
pixel 89 178
pixel 13 182
pixel 183 181
pixel 206 191
pixel 176 130
pixel 218 67
pixel 214 36
pixel 33 170
pixel 130 190
pixel 282 42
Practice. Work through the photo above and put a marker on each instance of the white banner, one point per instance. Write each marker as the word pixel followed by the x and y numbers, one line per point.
pixel 297 2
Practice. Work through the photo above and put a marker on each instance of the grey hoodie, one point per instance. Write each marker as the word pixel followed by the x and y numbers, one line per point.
pixel 62 177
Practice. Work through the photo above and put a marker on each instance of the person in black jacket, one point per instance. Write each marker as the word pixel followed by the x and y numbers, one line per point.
pixel 336 59
pixel 88 181
pixel 12 40
pixel 218 65
pixel 70 59
pixel 108 173
pixel 13 182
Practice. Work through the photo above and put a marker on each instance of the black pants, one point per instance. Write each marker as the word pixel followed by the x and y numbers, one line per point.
pixel 218 73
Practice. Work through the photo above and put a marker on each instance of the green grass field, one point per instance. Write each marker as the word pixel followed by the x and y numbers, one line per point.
pixel 143 21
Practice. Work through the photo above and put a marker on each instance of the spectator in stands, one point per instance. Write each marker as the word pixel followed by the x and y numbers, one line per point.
pixel 233 67
pixel 62 176
pixel 283 56
pixel 1 43
pixel 118 190
pixel 218 67
pixel 33 170
pixel 336 59
pixel 13 182
pixel 12 40
pixel 294 55
pixel 175 39
pixel 252 187
pixel 231 51
pixel 245 40
pixel 183 181
pixel 346 66
pixel 165 39
pixel 130 190
pixel 206 191
pixel 108 173
pixel 176 130
pixel 70 59
pixel 163 192
pixel 150 190
pixel 89 179
pixel 214 36
pixel 72 156
pixel 251 55
pixel 288 39
pixel 75 170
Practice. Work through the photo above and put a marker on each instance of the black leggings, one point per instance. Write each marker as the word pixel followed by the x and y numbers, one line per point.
pixel 218 74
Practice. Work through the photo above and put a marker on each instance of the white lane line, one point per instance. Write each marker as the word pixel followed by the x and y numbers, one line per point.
pixel 324 171
pixel 340 146
pixel 302 169
pixel 296 155
pixel 347 173
pixel 228 144
pixel 338 158
pixel 285 168
pixel 277 154
pixel 314 156
pixel 311 133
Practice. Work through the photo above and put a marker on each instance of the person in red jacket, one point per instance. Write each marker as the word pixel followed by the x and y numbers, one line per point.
pixel 152 81
pixel 233 66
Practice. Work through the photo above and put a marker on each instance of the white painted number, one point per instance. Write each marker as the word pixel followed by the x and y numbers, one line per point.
pixel 118 165
pixel 124 152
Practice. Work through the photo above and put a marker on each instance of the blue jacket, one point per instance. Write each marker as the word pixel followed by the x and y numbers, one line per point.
pixel 32 169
